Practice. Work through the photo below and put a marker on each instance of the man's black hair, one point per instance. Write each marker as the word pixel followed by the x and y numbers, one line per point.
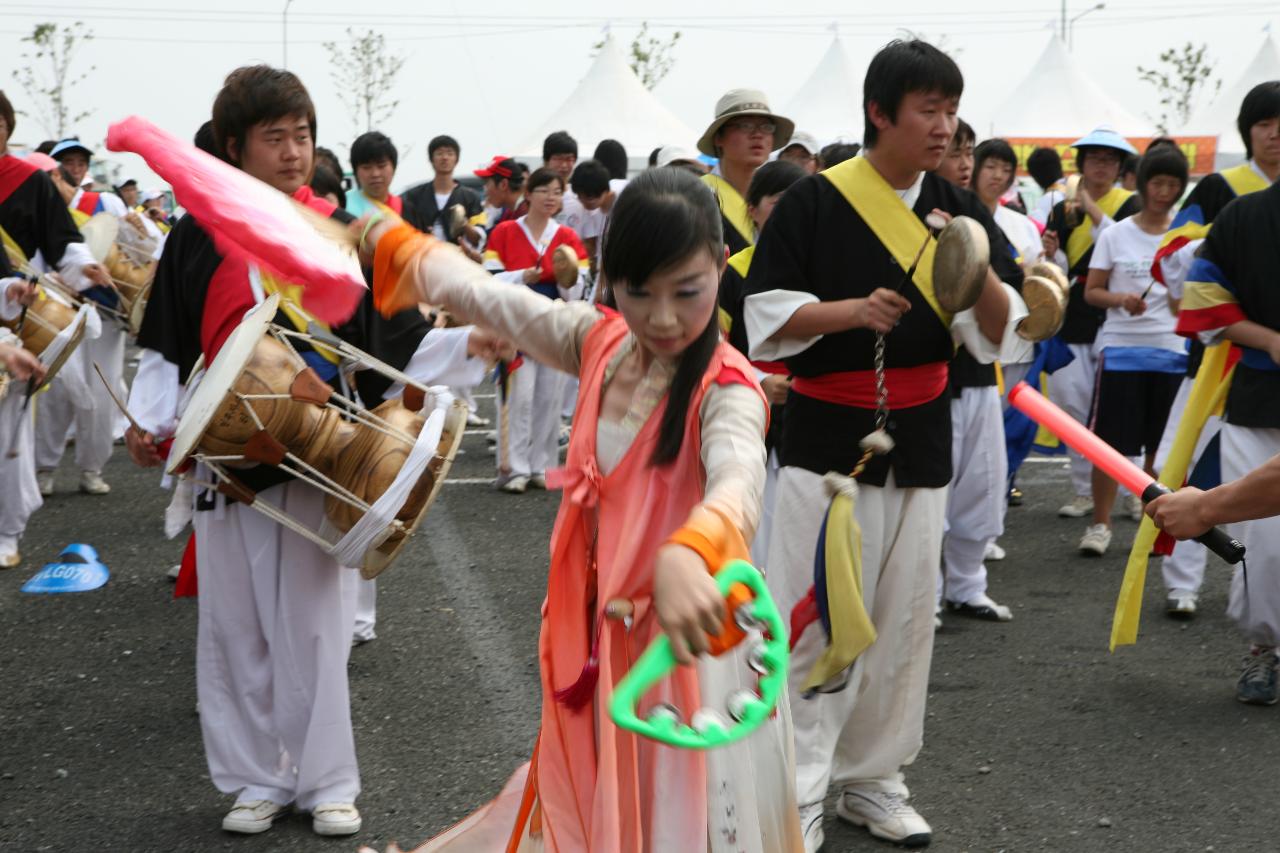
pixel 614 157
pixel 373 147
pixel 590 178
pixel 1130 165
pixel 653 156
pixel 837 152
pixel 772 178
pixel 1262 103
pixel 964 135
pixel 325 157
pixel 1045 166
pixel 559 142
pixel 324 182
pixel 902 67
pixel 444 140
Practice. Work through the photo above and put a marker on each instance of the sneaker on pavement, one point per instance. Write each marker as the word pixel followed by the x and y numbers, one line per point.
pixel 1133 506
pixel 1080 506
pixel 44 479
pixel 1015 496
pixel 1181 604
pixel 173 572
pixel 994 552
pixel 811 817
pixel 10 558
pixel 1257 684
pixel 1096 540
pixel 335 819
pixel 91 483
pixel 251 817
pixel 475 420
pixel 538 481
pixel 885 815
pixel 982 607
pixel 515 486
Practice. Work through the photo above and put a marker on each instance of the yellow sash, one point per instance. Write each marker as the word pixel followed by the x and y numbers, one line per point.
pixel 895 226
pixel 1081 239
pixel 1244 179
pixel 291 305
pixel 17 257
pixel 733 207
pixel 741 264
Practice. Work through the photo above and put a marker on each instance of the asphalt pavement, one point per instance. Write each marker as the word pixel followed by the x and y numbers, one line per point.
pixel 1037 738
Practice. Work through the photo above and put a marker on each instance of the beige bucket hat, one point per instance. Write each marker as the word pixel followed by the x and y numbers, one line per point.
pixel 744 102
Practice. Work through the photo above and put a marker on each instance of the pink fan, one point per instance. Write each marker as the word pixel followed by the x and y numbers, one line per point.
pixel 248 218
pixel 43 162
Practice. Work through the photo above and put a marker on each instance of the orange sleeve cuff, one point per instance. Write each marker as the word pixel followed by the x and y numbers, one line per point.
pixel 710 534
pixel 393 291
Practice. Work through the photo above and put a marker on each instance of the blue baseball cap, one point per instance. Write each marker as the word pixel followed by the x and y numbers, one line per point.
pixel 71 143
pixel 1102 136
pixel 77 569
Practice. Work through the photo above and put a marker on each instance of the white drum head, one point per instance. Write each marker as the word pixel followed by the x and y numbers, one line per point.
pixel 218 379
pixel 100 233
pixel 138 310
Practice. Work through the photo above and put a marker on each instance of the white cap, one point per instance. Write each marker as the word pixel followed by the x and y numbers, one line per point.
pixel 669 154
pixel 804 140
pixel 151 194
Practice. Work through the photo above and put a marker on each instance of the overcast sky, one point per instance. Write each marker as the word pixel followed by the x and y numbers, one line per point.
pixel 488 73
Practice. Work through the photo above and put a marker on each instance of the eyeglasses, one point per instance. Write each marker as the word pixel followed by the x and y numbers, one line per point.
pixel 753 127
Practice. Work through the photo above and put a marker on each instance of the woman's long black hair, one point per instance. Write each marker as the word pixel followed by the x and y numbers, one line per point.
pixel 663 217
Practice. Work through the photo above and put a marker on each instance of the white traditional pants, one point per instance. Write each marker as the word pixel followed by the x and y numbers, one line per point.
pixel 1254 602
pixel 976 499
pixel 867 732
pixel 760 545
pixel 94 418
pixel 362 598
pixel 529 436
pixel 1184 568
pixel 19 494
pixel 1071 387
pixel 271 655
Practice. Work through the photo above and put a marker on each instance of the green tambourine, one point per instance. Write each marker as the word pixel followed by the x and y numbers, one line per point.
pixel 746 708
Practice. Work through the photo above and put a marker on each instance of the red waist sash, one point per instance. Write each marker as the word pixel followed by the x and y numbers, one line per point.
pixel 775 368
pixel 906 386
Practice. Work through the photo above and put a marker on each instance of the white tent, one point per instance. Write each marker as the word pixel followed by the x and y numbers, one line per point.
pixel 610 102
pixel 1057 98
pixel 829 103
pixel 1219 117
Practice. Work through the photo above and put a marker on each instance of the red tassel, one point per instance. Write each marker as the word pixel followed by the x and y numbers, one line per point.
pixel 186 587
pixel 578 694
pixel 804 614
pixel 1163 545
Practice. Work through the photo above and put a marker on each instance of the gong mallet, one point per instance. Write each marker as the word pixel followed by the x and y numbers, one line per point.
pixel 1037 407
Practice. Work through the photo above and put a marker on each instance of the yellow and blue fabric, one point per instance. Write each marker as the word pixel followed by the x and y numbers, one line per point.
pixel 1021 434
pixel 1202 206
pixel 321 360
pixel 1209 301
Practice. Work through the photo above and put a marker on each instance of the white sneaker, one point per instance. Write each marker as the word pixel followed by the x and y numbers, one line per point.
pixel 515 486
pixel 10 558
pixel 252 817
pixel 475 420
pixel 44 479
pixel 994 552
pixel 1133 507
pixel 885 815
pixel 335 819
pixel 811 817
pixel 1096 540
pixel 173 572
pixel 1080 506
pixel 91 483
pixel 538 481
pixel 982 607
pixel 1181 604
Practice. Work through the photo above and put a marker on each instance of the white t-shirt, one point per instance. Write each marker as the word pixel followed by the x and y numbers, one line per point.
pixel 1127 251
pixel 1022 233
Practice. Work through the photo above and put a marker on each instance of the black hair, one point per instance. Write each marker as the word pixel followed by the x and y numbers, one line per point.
pixel 205 142
pixel 1162 140
pixel 993 149
pixel 324 181
pixel 254 94
pixel 590 178
pixel 836 153
pixel 653 156
pixel 325 157
pixel 614 157
pixel 772 178
pixel 373 147
pixel 49 144
pixel 1262 103
pixel 6 112
pixel 1045 166
pixel 541 177
pixel 1163 160
pixel 964 134
pixel 663 217
pixel 444 140
pixel 902 67
pixel 559 142
pixel 1130 165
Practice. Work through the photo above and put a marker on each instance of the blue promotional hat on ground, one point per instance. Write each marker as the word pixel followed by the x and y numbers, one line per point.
pixel 77 569
pixel 1105 136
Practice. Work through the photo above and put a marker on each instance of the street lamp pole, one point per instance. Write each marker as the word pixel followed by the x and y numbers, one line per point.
pixel 284 31
pixel 1072 23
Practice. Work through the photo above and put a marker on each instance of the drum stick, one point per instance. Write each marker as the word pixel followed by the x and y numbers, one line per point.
pixel 132 422
pixel 1035 406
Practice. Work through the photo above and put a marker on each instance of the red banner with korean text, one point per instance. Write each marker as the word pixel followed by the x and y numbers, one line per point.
pixel 1200 150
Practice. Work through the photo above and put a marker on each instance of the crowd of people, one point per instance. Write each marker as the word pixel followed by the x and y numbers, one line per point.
pixel 751 362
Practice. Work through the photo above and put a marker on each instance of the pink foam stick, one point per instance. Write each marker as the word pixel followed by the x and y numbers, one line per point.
pixel 247 218
pixel 1036 406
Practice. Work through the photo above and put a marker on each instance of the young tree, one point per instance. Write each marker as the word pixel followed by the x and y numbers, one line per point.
pixel 1180 78
pixel 47 77
pixel 364 73
pixel 651 58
